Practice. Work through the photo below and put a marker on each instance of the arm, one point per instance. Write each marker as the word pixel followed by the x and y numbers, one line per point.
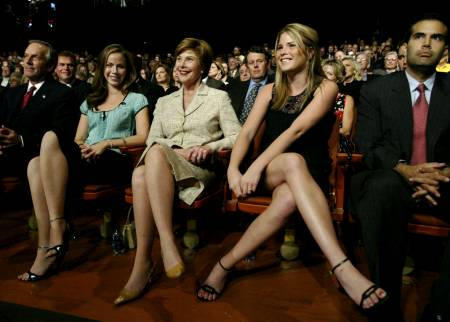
pixel 348 117
pixel 378 150
pixel 142 128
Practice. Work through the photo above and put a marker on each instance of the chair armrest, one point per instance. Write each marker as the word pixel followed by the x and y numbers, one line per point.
pixel 134 152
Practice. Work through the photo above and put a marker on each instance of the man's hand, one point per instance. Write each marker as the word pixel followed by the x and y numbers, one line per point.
pixel 425 178
pixel 8 138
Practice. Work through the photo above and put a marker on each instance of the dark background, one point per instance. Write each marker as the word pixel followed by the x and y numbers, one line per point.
pixel 157 26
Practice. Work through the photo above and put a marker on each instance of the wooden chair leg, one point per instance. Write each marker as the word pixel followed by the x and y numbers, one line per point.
pixel 191 238
pixel 289 250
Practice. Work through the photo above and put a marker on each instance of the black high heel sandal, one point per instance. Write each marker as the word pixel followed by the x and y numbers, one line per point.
pixel 211 290
pixel 32 277
pixel 366 294
pixel 59 251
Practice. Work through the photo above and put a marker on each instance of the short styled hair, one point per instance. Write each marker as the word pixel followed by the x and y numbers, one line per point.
pixel 201 48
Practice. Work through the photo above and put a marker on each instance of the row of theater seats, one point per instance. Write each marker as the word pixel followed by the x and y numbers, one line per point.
pixel 220 194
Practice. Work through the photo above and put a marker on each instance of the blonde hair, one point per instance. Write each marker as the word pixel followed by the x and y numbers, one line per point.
pixel 338 68
pixel 307 40
pixel 356 67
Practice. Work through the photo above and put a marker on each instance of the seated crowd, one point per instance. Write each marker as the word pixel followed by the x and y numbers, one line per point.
pixel 64 118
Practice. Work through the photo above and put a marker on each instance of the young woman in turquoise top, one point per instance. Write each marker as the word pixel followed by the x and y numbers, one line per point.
pixel 111 117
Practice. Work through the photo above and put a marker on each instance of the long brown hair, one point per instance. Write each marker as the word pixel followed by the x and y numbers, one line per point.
pixel 99 85
pixel 307 40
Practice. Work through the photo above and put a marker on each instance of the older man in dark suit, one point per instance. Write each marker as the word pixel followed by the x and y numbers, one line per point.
pixel 403 121
pixel 243 94
pixel 29 111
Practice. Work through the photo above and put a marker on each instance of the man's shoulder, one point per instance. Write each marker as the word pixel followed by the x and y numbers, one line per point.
pixel 384 82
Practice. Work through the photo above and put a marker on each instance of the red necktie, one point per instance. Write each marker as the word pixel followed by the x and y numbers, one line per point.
pixel 27 97
pixel 420 113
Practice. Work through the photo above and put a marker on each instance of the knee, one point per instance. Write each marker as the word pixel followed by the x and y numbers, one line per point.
pixel 293 164
pixel 138 178
pixel 284 199
pixel 33 168
pixel 49 142
pixel 386 182
pixel 155 154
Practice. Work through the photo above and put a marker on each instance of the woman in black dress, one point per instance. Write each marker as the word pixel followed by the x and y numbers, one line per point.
pixel 295 163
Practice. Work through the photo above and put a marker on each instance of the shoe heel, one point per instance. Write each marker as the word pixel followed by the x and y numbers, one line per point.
pixel 176 271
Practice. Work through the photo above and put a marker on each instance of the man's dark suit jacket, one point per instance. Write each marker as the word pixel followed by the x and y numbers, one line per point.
pixel 237 92
pixel 53 107
pixel 81 89
pixel 385 121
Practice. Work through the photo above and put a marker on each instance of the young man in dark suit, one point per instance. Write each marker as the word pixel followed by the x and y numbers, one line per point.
pixel 403 119
pixel 243 94
pixel 65 73
pixel 28 111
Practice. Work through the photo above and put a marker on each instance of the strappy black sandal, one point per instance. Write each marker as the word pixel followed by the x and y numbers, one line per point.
pixel 367 293
pixel 32 277
pixel 211 290
pixel 59 251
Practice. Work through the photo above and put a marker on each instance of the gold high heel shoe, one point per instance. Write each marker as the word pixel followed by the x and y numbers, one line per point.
pixel 176 270
pixel 126 296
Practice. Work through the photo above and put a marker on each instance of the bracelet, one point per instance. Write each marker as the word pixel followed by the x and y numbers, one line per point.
pixel 124 142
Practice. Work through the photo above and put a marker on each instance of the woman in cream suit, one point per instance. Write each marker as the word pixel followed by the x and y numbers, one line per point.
pixel 189 126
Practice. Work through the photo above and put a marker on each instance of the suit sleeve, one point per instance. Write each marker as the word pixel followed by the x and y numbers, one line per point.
pixel 372 138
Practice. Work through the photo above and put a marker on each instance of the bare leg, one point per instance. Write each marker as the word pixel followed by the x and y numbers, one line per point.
pixel 264 226
pixel 41 263
pixel 313 207
pixel 54 174
pixel 143 218
pixel 161 187
pixel 291 169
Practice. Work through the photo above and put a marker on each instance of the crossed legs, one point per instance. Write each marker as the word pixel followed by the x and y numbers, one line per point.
pixel 294 188
pixel 47 177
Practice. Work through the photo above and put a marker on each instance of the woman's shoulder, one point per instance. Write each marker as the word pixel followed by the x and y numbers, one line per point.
pixel 327 86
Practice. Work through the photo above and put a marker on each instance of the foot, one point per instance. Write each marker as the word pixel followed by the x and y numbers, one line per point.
pixel 173 264
pixel 355 285
pixel 57 230
pixel 140 277
pixel 40 266
pixel 213 286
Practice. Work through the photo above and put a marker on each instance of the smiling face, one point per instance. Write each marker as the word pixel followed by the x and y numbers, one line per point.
pixel 188 67
pixel 115 70
pixel 65 69
pixel 289 56
pixel 329 72
pixel 35 62
pixel 426 44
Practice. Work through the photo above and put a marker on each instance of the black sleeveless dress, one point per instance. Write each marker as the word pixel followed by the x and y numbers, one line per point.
pixel 313 145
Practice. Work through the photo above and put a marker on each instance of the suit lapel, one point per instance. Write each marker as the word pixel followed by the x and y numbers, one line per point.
pixel 198 99
pixel 401 101
pixel 178 101
pixel 438 109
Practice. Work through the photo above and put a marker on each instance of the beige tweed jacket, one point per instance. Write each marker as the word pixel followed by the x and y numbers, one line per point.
pixel 209 120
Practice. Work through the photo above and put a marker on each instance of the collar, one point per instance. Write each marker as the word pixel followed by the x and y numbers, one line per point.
pixel 253 83
pixel 37 85
pixel 413 83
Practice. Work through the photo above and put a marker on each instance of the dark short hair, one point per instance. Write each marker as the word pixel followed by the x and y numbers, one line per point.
pixel 201 48
pixel 427 16
pixel 68 53
pixel 258 50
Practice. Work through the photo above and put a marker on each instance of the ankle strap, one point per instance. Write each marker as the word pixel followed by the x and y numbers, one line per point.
pixel 57 218
pixel 224 268
pixel 43 247
pixel 337 265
